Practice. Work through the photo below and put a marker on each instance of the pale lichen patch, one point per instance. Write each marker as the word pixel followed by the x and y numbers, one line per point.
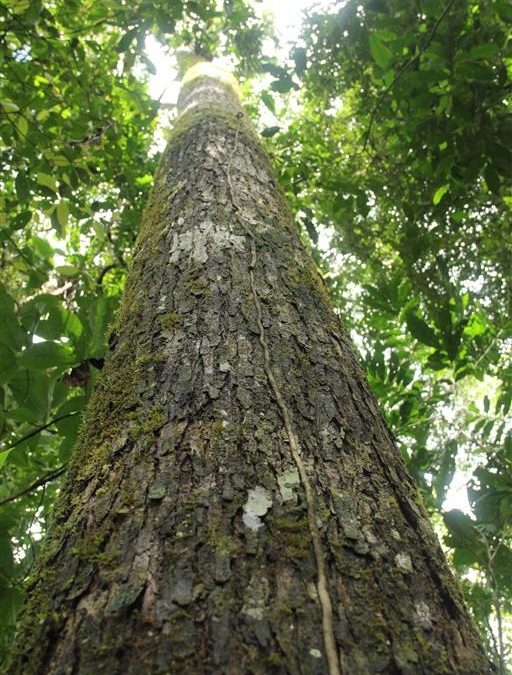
pixel 312 591
pixel 258 503
pixel 157 492
pixel 422 617
pixel 403 562
pixel 198 244
pixel 287 482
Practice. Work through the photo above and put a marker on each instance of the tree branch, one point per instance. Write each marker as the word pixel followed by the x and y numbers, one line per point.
pixel 51 475
pixel 104 271
pixel 404 68
pixel 37 430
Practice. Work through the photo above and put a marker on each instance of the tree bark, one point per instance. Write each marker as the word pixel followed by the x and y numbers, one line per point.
pixel 236 503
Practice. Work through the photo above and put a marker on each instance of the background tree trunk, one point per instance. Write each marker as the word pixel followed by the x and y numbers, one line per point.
pixel 236 503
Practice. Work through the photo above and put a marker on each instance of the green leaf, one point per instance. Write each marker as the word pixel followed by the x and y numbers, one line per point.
pixel 9 106
pixel 62 213
pixel 42 248
pixel 432 7
pixel 421 330
pixel 3 457
pixel 22 219
pixel 505 401
pixel 504 10
pixel 275 70
pixel 22 185
pixel 463 557
pixel 283 85
pixel 445 472
pixel 22 414
pixel 268 100
pixel 47 180
pixel 44 355
pixel 463 533
pixel 439 194
pixel 438 361
pixel 22 125
pixel 69 426
pixel 270 131
pixel 11 333
pixel 149 64
pixel 7 363
pixel 491 178
pixel 301 62
pixel 385 35
pixel 486 51
pixel 311 230
pixel 72 326
pixel 18 6
pixel 98 313
pixel 60 322
pixel 477 325
pixel 145 180
pixel 382 55
pixel 67 270
pixel 127 39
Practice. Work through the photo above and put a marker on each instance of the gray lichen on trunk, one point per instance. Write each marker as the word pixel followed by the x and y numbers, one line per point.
pixel 232 455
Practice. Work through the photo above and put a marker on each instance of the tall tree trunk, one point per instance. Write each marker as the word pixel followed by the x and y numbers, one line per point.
pixel 236 503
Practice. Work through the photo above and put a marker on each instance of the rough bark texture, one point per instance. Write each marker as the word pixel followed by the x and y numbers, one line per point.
pixel 236 503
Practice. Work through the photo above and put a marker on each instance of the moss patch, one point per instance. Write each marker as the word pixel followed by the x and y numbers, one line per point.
pixel 169 321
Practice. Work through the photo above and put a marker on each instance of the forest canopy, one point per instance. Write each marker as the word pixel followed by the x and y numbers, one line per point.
pixel 390 128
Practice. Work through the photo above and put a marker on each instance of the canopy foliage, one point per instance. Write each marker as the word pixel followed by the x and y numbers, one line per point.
pixel 390 126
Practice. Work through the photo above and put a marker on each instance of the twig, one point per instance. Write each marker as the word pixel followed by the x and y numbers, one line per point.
pixel 37 430
pixel 104 271
pixel 404 68
pixel 51 475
